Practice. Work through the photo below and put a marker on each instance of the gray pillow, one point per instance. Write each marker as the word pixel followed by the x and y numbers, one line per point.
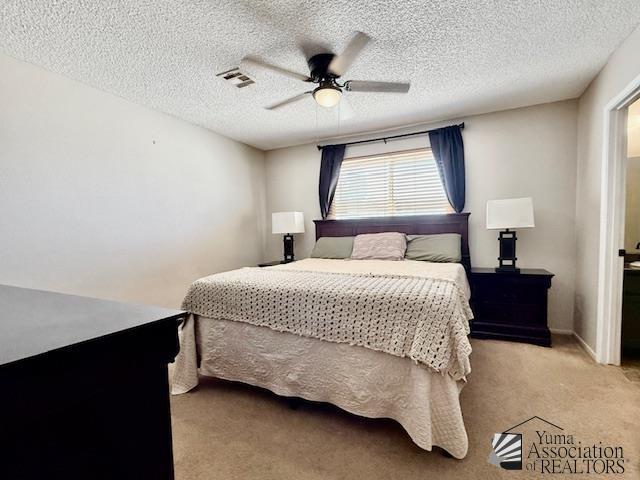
pixel 333 247
pixel 443 247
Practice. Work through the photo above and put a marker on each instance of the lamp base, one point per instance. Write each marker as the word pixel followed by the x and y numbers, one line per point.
pixel 288 248
pixel 507 269
pixel 507 258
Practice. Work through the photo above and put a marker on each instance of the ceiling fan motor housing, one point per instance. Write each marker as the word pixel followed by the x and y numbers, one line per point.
pixel 319 67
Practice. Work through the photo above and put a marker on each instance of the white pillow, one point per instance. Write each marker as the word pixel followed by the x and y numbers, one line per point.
pixel 379 246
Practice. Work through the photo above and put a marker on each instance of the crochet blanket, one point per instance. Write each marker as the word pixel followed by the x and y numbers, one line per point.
pixel 425 319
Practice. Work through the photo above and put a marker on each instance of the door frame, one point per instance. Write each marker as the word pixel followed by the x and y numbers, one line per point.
pixel 612 219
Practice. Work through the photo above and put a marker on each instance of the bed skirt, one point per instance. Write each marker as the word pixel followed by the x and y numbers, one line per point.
pixel 359 380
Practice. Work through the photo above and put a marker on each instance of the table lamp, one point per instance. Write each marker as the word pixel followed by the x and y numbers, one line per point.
pixel 505 215
pixel 287 223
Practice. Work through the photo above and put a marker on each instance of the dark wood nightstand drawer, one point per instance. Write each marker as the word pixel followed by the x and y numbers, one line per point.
pixel 509 312
pixel 503 292
pixel 510 306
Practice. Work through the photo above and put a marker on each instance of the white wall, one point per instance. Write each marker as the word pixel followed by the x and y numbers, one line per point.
pixel 632 189
pixel 522 152
pixel 632 206
pixel 102 197
pixel 622 68
pixel 633 130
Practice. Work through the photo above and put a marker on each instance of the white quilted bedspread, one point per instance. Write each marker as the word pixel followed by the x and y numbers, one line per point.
pixel 360 380
pixel 421 317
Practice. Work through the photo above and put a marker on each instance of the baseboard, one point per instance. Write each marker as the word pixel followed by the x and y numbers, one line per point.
pixel 561 331
pixel 581 342
pixel 585 347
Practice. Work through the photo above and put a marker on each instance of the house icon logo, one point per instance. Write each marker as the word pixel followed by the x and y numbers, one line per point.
pixel 506 448
pixel 507 451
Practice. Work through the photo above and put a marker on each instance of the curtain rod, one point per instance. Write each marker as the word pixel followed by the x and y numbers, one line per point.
pixel 392 137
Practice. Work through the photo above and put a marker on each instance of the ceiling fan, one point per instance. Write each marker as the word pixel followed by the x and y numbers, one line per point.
pixel 325 70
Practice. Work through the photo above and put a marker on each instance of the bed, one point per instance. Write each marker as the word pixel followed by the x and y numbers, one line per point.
pixel 408 381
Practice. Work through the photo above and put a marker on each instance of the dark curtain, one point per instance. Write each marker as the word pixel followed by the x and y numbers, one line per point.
pixel 330 164
pixel 448 150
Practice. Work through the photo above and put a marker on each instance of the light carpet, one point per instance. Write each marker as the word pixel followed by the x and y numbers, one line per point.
pixel 224 430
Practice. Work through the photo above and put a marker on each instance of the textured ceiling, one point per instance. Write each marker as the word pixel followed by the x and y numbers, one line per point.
pixel 461 56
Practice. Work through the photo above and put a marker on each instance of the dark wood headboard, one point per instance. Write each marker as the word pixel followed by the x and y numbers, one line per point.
pixel 411 225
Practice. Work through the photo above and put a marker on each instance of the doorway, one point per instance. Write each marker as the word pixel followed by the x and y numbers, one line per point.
pixel 630 331
pixel 612 225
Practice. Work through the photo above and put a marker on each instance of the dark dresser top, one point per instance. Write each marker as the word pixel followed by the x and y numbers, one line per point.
pixel 523 271
pixel 33 322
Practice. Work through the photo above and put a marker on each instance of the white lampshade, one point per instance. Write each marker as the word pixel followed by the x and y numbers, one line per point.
pixel 287 222
pixel 510 213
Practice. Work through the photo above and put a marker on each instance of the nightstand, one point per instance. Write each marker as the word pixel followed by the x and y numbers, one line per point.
pixel 510 306
pixel 271 264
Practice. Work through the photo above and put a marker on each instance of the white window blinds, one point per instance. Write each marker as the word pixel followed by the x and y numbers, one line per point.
pixel 400 183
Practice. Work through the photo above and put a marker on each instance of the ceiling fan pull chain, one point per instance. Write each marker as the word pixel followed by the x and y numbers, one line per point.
pixel 317 131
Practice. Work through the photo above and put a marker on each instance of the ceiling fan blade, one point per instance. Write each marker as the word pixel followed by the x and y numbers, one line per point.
pixel 341 63
pixel 274 68
pixel 361 86
pixel 288 101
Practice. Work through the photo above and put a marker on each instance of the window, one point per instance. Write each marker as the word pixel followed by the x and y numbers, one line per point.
pixel 400 183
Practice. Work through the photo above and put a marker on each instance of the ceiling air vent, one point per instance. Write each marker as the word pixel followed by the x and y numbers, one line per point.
pixel 236 77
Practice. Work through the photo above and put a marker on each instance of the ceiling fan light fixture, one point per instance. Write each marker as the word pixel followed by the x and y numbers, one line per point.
pixel 327 95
